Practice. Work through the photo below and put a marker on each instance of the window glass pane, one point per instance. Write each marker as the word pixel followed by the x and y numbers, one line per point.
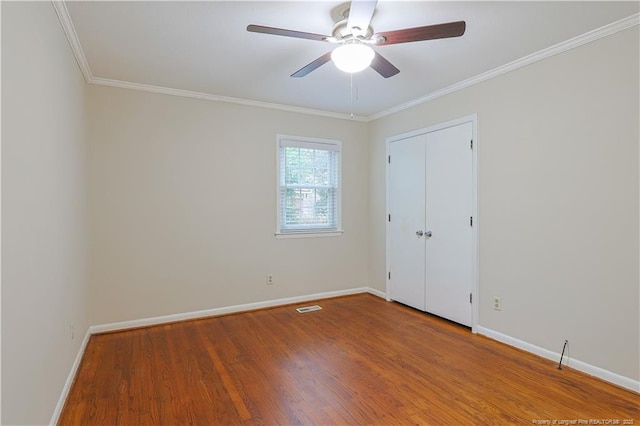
pixel 307 166
pixel 291 212
pixel 291 167
pixel 321 172
pixel 304 206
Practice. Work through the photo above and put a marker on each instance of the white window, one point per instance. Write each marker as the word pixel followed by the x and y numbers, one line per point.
pixel 308 186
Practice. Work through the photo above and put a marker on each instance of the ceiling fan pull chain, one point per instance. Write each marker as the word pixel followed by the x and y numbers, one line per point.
pixel 351 93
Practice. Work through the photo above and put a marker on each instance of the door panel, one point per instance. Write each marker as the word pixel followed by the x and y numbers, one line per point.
pixel 448 209
pixel 407 206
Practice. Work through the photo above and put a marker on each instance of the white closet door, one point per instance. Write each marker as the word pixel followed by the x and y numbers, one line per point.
pixel 449 197
pixel 407 207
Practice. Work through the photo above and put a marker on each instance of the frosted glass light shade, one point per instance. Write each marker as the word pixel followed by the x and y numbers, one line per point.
pixel 352 57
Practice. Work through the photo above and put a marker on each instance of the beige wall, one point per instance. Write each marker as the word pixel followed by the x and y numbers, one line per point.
pixel 558 199
pixel 183 206
pixel 43 212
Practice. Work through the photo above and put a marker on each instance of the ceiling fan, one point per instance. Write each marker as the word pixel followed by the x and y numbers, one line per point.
pixel 354 35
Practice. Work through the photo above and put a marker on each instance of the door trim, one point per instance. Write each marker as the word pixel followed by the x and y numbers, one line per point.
pixel 475 285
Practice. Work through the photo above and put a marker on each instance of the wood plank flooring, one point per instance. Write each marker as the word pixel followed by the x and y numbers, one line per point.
pixel 359 360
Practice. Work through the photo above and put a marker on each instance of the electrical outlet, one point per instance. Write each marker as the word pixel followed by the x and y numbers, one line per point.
pixel 72 330
pixel 269 279
pixel 497 303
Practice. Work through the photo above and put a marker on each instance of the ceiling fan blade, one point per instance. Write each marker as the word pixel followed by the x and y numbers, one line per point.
pixel 313 65
pixel 360 13
pixel 287 33
pixel 430 32
pixel 383 67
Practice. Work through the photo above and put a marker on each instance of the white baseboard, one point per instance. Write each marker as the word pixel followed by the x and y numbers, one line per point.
pixel 72 375
pixel 380 294
pixel 116 326
pixel 592 370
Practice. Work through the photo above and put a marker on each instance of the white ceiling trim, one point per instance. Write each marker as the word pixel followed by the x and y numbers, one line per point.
pixel 217 98
pixel 70 31
pixel 572 43
pixel 67 25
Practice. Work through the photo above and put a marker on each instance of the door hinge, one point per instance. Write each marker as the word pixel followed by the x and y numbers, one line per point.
pixel 471 144
pixel 389 159
pixel 470 297
pixel 389 275
pixel 389 217
pixel 471 221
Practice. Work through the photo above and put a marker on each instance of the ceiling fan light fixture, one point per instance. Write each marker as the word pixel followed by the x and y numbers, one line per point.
pixel 352 57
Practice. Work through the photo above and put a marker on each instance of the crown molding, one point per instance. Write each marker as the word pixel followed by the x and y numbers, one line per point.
pixel 70 31
pixel 217 98
pixel 607 30
pixel 572 43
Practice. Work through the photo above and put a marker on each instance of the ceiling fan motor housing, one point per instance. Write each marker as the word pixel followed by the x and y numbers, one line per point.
pixel 341 31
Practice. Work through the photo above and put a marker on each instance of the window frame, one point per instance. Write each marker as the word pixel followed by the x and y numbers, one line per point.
pixel 336 145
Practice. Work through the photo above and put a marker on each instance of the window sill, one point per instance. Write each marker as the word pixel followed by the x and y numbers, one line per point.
pixel 309 234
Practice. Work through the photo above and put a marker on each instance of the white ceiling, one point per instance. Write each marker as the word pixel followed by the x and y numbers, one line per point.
pixel 204 47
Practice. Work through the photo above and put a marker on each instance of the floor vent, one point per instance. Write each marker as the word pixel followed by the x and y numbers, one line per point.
pixel 308 309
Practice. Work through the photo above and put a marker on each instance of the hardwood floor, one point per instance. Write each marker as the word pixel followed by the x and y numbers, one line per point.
pixel 359 360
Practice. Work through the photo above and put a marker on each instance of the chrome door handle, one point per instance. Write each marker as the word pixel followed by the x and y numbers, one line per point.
pixel 428 234
pixel 419 233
